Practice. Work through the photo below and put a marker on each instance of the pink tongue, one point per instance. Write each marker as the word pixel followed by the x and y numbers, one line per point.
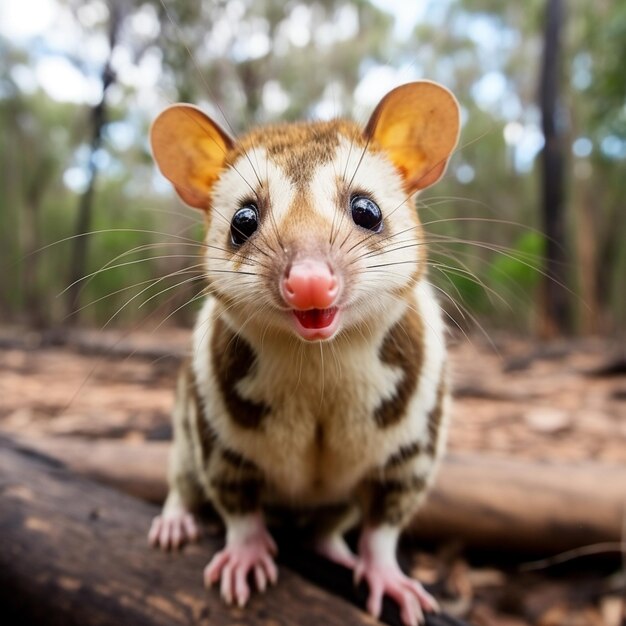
pixel 316 318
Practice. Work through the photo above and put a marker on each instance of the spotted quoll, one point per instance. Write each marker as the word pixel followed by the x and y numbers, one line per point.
pixel 317 380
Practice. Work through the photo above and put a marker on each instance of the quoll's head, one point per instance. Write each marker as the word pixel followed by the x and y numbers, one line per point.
pixel 312 227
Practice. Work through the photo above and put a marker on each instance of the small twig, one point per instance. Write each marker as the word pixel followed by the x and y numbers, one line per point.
pixel 569 555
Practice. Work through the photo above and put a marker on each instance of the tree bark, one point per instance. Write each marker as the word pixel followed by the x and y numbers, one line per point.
pixel 75 553
pixel 556 314
pixel 483 501
pixel 504 504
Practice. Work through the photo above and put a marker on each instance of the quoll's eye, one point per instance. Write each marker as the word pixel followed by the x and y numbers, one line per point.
pixel 244 224
pixel 366 213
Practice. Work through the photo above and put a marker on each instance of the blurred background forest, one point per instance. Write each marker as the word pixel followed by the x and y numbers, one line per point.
pixel 527 233
pixel 80 82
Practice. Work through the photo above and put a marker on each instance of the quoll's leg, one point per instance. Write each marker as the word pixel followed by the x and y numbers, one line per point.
pixel 329 528
pixel 174 527
pixel 391 496
pixel 377 565
pixel 249 550
pixel 390 501
pixel 236 485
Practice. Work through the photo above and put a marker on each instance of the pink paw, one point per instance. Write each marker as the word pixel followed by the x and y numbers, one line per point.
pixel 173 529
pixel 389 579
pixel 249 548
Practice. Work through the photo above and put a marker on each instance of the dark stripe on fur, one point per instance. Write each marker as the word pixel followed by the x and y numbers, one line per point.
pixel 206 435
pixel 393 485
pixel 403 348
pixel 237 496
pixel 233 359
pixel 435 416
pixel 393 501
pixel 237 460
pixel 404 454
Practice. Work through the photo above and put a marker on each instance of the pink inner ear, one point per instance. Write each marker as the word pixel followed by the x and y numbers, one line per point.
pixel 430 177
pixel 196 200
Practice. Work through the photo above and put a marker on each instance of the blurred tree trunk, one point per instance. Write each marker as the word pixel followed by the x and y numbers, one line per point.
pixel 587 258
pixel 555 317
pixel 98 118
pixel 31 242
pixel 608 255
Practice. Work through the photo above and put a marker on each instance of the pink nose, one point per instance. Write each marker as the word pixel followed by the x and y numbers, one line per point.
pixel 310 284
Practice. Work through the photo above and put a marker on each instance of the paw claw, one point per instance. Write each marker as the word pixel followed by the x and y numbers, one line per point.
pixel 172 530
pixel 411 597
pixel 260 578
pixel 240 557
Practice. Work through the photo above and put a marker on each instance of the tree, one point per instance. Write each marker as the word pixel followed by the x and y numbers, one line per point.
pixel 556 317
pixel 97 119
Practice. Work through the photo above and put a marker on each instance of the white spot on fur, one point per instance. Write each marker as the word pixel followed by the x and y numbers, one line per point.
pixel 380 544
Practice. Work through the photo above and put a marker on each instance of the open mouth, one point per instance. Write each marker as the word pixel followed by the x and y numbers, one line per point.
pixel 316 323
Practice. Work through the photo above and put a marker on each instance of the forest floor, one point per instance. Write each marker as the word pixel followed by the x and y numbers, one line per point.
pixel 514 398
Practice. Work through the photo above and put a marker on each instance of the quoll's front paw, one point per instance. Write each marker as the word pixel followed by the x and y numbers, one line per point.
pixel 377 565
pixel 389 579
pixel 173 529
pixel 249 548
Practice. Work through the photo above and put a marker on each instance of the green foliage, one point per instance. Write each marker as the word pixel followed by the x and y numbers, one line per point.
pixel 261 62
pixel 521 266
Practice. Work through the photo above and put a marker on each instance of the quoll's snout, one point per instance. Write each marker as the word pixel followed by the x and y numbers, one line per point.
pixel 310 284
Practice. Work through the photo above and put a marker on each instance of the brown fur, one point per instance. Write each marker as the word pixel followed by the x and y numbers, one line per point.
pixel 237 460
pixel 404 454
pixel 233 359
pixel 299 148
pixel 393 501
pixel 436 415
pixel 206 435
pixel 403 348
pixel 183 476
pixel 237 496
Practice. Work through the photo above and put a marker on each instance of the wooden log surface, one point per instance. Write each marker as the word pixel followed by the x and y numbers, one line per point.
pixel 518 505
pixel 483 501
pixel 73 552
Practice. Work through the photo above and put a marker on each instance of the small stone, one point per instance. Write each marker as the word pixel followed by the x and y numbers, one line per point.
pixel 548 421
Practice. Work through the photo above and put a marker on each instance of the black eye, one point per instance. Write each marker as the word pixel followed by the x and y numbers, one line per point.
pixel 366 213
pixel 244 223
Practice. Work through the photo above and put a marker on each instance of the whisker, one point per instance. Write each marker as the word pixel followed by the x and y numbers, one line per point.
pixel 121 308
pixel 104 231
pixel 113 293
pixel 133 262
pixel 198 277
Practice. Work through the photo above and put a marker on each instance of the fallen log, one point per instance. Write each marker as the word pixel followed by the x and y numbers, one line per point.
pixel 482 501
pixel 73 552
pixel 134 467
pixel 516 505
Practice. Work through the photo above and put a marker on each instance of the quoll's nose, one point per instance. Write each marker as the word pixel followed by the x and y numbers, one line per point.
pixel 310 284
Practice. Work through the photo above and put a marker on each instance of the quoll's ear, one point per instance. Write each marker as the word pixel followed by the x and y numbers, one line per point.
pixel 417 125
pixel 190 150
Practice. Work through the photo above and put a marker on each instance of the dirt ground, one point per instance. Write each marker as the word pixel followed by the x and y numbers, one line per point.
pixel 514 398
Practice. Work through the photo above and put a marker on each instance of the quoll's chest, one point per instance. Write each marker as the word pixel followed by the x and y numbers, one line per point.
pixel 316 425
pixel 317 444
